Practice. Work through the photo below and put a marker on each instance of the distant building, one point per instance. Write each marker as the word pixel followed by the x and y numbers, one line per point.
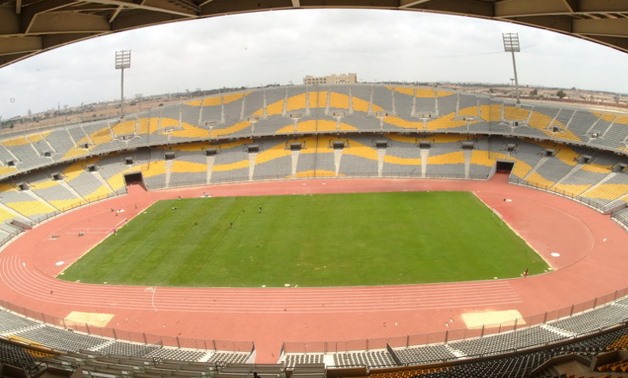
pixel 349 78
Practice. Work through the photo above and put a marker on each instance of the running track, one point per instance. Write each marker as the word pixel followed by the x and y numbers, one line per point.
pixel 592 263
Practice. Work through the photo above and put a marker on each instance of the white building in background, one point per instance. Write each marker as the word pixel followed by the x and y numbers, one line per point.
pixel 349 78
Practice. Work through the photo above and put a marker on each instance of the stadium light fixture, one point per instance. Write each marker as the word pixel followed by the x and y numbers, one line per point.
pixel 123 61
pixel 511 45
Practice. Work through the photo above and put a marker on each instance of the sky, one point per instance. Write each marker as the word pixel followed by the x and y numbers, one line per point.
pixel 281 47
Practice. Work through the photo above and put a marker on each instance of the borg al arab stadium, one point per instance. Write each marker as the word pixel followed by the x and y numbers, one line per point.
pixel 315 230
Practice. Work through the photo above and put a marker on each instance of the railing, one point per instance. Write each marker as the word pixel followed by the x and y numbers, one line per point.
pixel 450 333
pixel 599 206
pixel 132 336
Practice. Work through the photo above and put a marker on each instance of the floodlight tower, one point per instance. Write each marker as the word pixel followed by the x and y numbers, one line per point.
pixel 511 45
pixel 123 60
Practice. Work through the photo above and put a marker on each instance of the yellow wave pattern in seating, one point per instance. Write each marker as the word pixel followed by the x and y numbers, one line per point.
pixel 571 189
pixel 472 111
pixel 512 113
pixel 124 128
pixel 621 119
pixel 358 149
pixel 5 170
pixel 596 168
pixel 27 139
pixel 276 108
pixel 608 191
pixel 154 168
pixel 190 131
pixel 242 164
pixel 235 143
pixel 539 180
pixel 99 137
pixel 218 99
pixel 360 105
pixel 312 147
pixel 67 204
pixel 421 92
pixel 75 152
pixel 75 169
pixel 563 134
pixel 275 152
pixel 229 130
pixel 44 184
pixel 28 208
pixel 448 158
pixel 5 215
pixel 182 166
pixel 317 100
pixel 167 123
pixel 539 121
pixel 296 102
pixel 17 141
pixel 116 182
pixel 324 145
pixel 567 156
pixel 491 112
pixel 101 192
pixel 479 157
pixel 445 122
pixel 501 156
pixel 403 123
pixel 144 126
pixel 392 159
pixel 148 125
pixel 338 100
pixel 521 169
pixel 542 121
pixel 316 125
pixel 612 117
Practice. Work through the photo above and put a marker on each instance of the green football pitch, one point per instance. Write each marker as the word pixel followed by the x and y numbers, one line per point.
pixel 310 240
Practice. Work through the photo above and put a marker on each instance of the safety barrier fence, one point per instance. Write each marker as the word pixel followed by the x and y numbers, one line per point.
pixel 451 331
pixel 601 205
pixel 457 332
pixel 132 336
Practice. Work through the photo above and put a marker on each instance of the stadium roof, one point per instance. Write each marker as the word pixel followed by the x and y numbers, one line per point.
pixel 28 27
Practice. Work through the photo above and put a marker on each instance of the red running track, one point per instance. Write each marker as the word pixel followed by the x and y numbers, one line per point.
pixel 592 263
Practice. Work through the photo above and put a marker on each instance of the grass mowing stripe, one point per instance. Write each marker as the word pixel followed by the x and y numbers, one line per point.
pixel 310 240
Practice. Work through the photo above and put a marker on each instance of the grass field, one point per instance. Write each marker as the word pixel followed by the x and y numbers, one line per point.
pixel 320 240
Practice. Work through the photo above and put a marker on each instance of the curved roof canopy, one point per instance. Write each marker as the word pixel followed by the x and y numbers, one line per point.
pixel 28 27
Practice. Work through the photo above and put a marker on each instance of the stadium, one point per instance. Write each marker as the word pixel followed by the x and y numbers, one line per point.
pixel 556 174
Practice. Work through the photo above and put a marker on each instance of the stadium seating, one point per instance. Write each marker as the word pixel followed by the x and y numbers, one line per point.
pixel 327 131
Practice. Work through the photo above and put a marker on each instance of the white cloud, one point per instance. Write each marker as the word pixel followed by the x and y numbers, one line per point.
pixel 283 46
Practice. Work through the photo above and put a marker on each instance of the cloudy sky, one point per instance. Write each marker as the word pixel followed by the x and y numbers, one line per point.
pixel 283 46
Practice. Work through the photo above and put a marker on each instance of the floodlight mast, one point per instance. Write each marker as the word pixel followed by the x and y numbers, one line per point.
pixel 123 60
pixel 511 45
